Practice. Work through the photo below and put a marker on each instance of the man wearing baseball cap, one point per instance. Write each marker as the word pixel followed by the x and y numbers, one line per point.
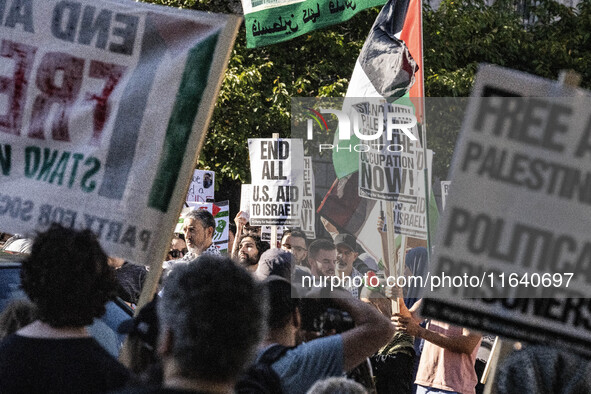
pixel 347 258
pixel 348 250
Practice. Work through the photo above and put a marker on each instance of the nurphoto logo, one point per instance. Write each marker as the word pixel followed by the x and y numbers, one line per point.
pixel 378 127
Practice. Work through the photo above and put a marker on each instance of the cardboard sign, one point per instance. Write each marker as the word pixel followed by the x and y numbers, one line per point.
pixel 515 234
pixel 308 218
pixel 202 187
pixel 102 107
pixel 276 167
pixel 411 218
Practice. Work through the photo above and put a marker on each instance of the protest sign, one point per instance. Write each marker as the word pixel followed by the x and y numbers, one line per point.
pixel 103 105
pixel 266 233
pixel 202 186
pixel 513 255
pixel 245 192
pixel 391 160
pixel 276 167
pixel 308 218
pixel 411 218
pixel 272 21
pixel 444 192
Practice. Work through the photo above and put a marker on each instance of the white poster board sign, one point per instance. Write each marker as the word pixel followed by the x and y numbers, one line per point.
pixel 308 217
pixel 411 218
pixel 445 185
pixel 102 107
pixel 202 187
pixel 276 167
pixel 515 235
pixel 390 162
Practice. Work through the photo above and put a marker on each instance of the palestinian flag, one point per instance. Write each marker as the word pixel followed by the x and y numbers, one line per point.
pixel 385 67
pixel 389 66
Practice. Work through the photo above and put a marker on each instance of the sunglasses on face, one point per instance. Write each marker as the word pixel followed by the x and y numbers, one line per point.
pixel 175 253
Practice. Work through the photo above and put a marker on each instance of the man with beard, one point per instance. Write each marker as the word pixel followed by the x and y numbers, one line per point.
pixel 198 227
pixel 322 257
pixel 294 242
pixel 346 258
pixel 250 249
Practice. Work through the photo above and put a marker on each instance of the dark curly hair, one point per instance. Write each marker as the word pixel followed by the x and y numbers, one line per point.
pixel 67 277
pixel 261 245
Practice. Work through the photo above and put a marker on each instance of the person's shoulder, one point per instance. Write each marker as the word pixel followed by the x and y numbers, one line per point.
pixel 318 346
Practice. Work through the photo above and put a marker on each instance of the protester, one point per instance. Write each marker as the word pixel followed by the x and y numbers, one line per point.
pixel 198 227
pixel 348 253
pixel 346 256
pixel 131 279
pixel 543 370
pixel 139 352
pixel 393 364
pixel 17 314
pixel 178 248
pixel 211 321
pixel 250 250
pixel 275 262
pixel 337 386
pixel 301 365
pixel 68 279
pixel 322 257
pixel 449 353
pixel 243 227
pixel 295 242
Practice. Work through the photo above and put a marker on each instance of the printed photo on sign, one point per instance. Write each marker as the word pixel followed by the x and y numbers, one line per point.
pixel 202 187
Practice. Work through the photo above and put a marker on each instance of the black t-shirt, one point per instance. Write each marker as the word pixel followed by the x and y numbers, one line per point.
pixel 72 365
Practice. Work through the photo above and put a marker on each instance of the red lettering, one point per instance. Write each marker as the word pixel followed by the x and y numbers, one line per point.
pixel 15 88
pixel 56 66
pixel 112 74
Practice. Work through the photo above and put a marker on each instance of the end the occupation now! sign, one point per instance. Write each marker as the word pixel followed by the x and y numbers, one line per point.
pixel 277 168
pixel 102 107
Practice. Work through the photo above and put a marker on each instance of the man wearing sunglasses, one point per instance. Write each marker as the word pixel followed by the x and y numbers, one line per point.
pixel 295 242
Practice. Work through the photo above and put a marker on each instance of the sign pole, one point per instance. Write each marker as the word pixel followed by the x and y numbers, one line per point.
pixel 393 256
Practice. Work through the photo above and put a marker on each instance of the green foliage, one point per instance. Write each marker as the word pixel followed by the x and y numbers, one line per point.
pixel 255 96
pixel 549 37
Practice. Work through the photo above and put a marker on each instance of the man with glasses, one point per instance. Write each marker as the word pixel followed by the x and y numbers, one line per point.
pixel 295 242
pixel 178 248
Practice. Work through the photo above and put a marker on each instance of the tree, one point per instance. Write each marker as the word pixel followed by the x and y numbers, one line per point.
pixel 255 96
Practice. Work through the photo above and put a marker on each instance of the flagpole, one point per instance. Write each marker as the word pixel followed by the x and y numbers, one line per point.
pixel 424 134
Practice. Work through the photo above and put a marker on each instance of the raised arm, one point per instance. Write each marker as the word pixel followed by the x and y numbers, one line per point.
pixel 372 331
